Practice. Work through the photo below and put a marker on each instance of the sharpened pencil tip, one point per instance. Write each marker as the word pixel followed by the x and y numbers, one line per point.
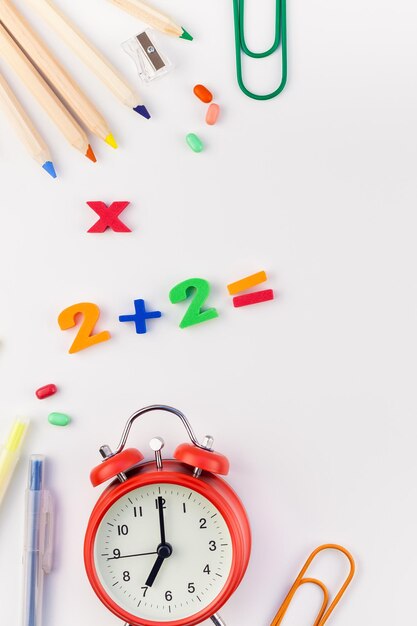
pixel 186 35
pixel 90 154
pixel 142 110
pixel 111 141
pixel 48 166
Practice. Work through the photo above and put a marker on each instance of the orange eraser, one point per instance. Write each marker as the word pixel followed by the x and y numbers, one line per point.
pixel 203 93
pixel 247 283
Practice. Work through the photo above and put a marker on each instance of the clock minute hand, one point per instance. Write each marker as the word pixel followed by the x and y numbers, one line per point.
pixel 164 549
pixel 161 518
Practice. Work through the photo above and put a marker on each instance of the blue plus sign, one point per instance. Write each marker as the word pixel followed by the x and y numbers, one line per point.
pixel 140 316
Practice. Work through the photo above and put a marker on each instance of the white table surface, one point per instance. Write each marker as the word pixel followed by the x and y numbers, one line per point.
pixel 312 396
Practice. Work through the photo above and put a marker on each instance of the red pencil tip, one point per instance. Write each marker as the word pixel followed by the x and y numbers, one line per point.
pixel 90 154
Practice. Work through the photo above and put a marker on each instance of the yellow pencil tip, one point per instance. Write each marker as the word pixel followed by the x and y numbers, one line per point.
pixel 111 141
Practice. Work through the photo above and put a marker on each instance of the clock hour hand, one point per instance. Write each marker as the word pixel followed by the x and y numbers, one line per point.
pixel 164 551
pixel 154 571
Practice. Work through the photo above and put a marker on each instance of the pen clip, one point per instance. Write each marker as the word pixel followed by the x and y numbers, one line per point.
pixel 49 532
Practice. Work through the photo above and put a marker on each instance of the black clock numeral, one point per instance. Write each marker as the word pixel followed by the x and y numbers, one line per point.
pixel 168 596
pixel 122 530
pixel 116 553
pixel 206 570
pixel 203 523
pixel 212 546
pixel 157 503
pixel 184 507
pixel 145 589
pixel 191 588
pixel 126 576
pixel 135 511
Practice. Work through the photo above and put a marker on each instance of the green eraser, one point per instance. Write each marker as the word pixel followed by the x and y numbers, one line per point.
pixel 194 142
pixel 58 419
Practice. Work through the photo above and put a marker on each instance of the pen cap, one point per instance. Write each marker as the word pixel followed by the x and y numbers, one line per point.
pixel 37 557
pixel 42 509
pixel 33 539
pixel 39 514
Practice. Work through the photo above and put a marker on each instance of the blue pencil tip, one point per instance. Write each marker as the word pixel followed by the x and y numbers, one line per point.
pixel 142 110
pixel 48 166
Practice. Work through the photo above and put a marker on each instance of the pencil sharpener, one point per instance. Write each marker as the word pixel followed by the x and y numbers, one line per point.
pixel 150 62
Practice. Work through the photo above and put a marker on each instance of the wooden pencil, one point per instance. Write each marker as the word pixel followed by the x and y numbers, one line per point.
pixel 97 63
pixel 29 75
pixel 25 128
pixel 153 17
pixel 54 72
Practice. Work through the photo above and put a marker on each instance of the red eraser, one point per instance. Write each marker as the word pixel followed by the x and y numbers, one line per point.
pixel 253 298
pixel 46 391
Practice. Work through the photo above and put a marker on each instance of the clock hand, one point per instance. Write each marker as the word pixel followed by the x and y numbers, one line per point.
pixel 164 551
pixel 127 556
pixel 154 571
pixel 161 518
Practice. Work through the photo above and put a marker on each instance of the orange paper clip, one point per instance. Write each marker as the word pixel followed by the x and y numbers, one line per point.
pixel 326 608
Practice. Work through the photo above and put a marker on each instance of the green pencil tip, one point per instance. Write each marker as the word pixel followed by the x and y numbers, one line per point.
pixel 186 35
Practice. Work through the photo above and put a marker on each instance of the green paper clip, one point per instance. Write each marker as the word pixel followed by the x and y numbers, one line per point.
pixel 242 48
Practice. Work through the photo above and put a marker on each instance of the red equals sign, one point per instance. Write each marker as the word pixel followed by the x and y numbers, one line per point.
pixel 250 298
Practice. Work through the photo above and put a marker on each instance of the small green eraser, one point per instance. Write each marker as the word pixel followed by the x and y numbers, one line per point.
pixel 194 142
pixel 59 419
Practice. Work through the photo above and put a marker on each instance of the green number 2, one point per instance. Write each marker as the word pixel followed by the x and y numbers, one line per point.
pixel 199 289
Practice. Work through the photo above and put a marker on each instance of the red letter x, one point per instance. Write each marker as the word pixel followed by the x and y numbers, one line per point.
pixel 108 217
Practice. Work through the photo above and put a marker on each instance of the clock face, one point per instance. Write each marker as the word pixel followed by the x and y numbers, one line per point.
pixel 163 552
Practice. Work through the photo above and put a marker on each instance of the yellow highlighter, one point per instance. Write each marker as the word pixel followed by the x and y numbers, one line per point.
pixel 9 453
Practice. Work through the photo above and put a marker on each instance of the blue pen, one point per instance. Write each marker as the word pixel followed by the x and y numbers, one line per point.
pixel 37 557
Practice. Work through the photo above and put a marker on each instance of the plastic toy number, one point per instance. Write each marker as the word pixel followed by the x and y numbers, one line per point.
pixel 195 289
pixel 194 313
pixel 85 338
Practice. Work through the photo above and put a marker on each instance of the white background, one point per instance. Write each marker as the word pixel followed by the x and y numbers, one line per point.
pixel 312 396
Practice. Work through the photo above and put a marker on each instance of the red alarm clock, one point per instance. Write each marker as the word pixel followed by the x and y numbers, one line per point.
pixel 168 540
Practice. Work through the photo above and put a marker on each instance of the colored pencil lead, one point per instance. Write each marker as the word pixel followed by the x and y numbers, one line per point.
pixel 111 141
pixel 90 154
pixel 48 166
pixel 142 110
pixel 186 35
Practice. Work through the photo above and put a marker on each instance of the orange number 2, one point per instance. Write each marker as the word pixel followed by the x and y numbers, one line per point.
pixel 84 339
